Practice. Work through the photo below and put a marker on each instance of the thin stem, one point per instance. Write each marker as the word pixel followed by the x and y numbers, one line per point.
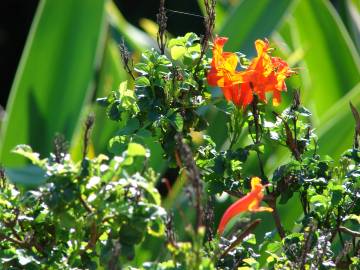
pixel 271 201
pixel 236 127
pixel 307 246
pixel 241 237
pixel 348 231
pixel 255 113
pixel 193 173
pixel 88 125
pixel 84 203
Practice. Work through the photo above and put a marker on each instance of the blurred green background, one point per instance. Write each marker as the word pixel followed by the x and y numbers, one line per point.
pixel 71 57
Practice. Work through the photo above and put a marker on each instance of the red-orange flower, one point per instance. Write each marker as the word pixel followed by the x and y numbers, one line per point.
pixel 264 74
pixel 223 73
pixel 250 202
pixel 268 74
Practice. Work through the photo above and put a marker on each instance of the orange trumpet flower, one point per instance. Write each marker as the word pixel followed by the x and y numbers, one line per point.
pixel 264 74
pixel 223 73
pixel 250 202
pixel 268 74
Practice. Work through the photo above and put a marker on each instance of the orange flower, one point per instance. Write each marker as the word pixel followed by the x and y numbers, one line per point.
pixel 268 74
pixel 264 74
pixel 223 72
pixel 250 202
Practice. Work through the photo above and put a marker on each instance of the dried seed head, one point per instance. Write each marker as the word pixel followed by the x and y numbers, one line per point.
pixel 209 23
pixel 60 147
pixel 169 230
pixel 209 18
pixel 126 58
pixel 296 100
pixel 2 176
pixel 356 115
pixel 162 22
pixel 209 218
pixel 89 122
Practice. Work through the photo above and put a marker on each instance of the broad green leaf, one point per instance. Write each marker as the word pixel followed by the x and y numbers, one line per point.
pixel 177 52
pixel 336 127
pixel 251 20
pixel 353 10
pixel 26 151
pixel 53 79
pixel 331 63
pixel 349 10
pixel 29 176
pixel 136 38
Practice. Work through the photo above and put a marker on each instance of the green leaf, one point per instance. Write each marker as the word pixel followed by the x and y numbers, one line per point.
pixel 251 20
pixel 331 62
pixel 142 68
pixel 177 52
pixel 136 38
pixel 29 176
pixel 117 144
pixel 26 151
pixel 177 121
pixel 135 149
pixel 53 78
pixel 251 239
pixel 142 82
pixel 353 20
pixel 337 125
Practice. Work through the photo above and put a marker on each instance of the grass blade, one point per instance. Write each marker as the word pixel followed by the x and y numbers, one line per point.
pixel 54 75
pixel 251 20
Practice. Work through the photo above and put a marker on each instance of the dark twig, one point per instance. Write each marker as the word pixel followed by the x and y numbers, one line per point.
pixel 14 240
pixel 60 147
pixel 256 141
pixel 162 22
pixel 271 201
pixel 209 24
pixel 294 107
pixel 348 231
pixel 94 236
pixel 290 141
pixel 188 162
pixel 113 263
pixel 84 203
pixel 88 125
pixel 307 246
pixel 209 218
pixel 348 246
pixel 240 237
pixel 126 58
pixel 169 231
pixel 2 177
pixel 356 115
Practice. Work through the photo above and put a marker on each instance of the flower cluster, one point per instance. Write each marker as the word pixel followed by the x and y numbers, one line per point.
pixel 264 74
